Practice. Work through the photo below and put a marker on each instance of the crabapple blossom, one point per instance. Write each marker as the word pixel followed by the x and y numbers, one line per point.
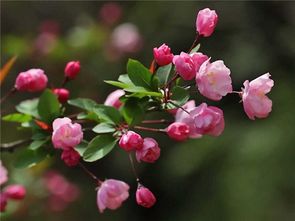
pixel 150 151
pixel 15 192
pixel 111 194
pixel 163 55
pixel 3 174
pixel 178 131
pixel 256 103
pixel 144 197
pixel 213 80
pixel 72 69
pixel 131 141
pixel 70 156
pixel 198 59
pixel 62 94
pixel 66 134
pixel 32 80
pixel 206 22
pixel 113 99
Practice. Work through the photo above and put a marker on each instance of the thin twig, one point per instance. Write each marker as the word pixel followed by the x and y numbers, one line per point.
pixel 194 43
pixel 161 121
pixel 150 129
pixel 10 92
pixel 176 105
pixel 133 167
pixel 90 173
pixel 10 147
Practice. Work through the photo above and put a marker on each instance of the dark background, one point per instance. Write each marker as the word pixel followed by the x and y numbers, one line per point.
pixel 245 174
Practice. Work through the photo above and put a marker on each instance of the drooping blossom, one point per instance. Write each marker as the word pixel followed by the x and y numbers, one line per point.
pixel 66 134
pixel 144 197
pixel 72 69
pixel 32 80
pixel 111 194
pixel 178 131
pixel 206 22
pixel 213 80
pixel 113 99
pixel 163 55
pixel 131 141
pixel 255 101
pixel 150 151
pixel 70 156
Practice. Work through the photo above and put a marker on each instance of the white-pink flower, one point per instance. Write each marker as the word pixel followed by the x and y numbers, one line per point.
pixel 66 134
pixel 111 194
pixel 3 174
pixel 255 101
pixel 113 99
pixel 213 80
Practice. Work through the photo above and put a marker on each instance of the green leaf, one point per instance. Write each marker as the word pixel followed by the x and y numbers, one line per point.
pixel 104 128
pixel 195 49
pixel 48 106
pixel 99 147
pixel 40 135
pixel 107 114
pixel 88 116
pixel 139 74
pixel 124 78
pixel 179 95
pixel 16 117
pixel 143 91
pixel 81 147
pixel 117 84
pixel 133 111
pixel 29 107
pixel 36 144
pixel 83 103
pixel 163 73
pixel 29 158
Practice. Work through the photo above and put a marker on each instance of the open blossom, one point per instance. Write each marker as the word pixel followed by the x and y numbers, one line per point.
pixel 163 55
pixel 62 94
pixel 72 69
pixel 206 22
pixel 256 103
pixel 32 80
pixel 113 99
pixel 150 151
pixel 131 141
pixel 213 80
pixel 111 194
pixel 145 197
pixel 198 59
pixel 3 174
pixel 207 120
pixel 66 134
pixel 178 131
pixel 70 156
pixel 15 192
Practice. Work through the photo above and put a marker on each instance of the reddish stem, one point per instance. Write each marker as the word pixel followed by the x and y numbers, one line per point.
pixel 133 167
pixel 150 129
pixel 161 121
pixel 10 92
pixel 90 173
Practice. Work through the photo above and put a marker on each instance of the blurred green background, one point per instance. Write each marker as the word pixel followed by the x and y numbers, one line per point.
pixel 245 174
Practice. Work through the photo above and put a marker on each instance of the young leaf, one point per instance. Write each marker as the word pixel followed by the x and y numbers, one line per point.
pixel 139 74
pixel 195 49
pixel 143 91
pixel 179 95
pixel 48 106
pixel 83 103
pixel 163 73
pixel 99 147
pixel 29 158
pixel 36 144
pixel 124 78
pixel 16 117
pixel 133 111
pixel 117 84
pixel 107 114
pixel 104 128
pixel 28 107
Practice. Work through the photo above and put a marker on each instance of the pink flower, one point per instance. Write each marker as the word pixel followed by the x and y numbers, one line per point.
pixel 213 80
pixel 198 59
pixel 185 117
pixel 178 131
pixel 3 202
pixel 185 66
pixel 256 103
pixel 113 99
pixel 131 141
pixel 3 174
pixel 163 55
pixel 15 191
pixel 206 22
pixel 62 94
pixel 145 197
pixel 207 120
pixel 111 194
pixel 32 80
pixel 72 69
pixel 150 151
pixel 66 134
pixel 70 156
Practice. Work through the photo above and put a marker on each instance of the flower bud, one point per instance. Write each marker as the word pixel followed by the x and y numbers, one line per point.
pixel 3 202
pixel 32 80
pixel 62 94
pixel 113 99
pixel 70 156
pixel 256 103
pixel 72 69
pixel 111 194
pixel 206 22
pixel 66 134
pixel 163 55
pixel 15 191
pixel 150 151
pixel 131 141
pixel 178 131
pixel 144 197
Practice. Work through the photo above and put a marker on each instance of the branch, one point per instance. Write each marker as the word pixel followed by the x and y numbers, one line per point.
pixel 10 147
